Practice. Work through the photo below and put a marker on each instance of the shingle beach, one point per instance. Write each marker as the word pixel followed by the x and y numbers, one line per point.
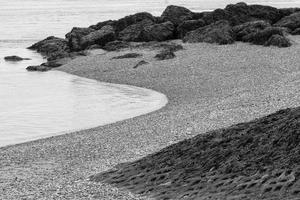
pixel 208 87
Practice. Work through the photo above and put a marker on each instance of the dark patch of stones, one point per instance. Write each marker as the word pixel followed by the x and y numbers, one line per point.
pixel 128 55
pixel 165 54
pixel 252 160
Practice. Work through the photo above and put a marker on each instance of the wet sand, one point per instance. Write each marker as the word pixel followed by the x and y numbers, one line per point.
pixel 208 87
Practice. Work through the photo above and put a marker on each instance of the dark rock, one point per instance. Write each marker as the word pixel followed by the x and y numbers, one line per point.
pixel 176 14
pixel 159 32
pixel 15 58
pixel 38 68
pixel 99 25
pixel 135 32
pixel 261 37
pixel 188 26
pixel 50 45
pixel 219 32
pixel 101 37
pixel 94 46
pixel 74 37
pixel 165 55
pixel 242 30
pixel 142 62
pixel 288 11
pixel 292 21
pixel 58 55
pixel 128 55
pixel 241 12
pixel 296 31
pixel 52 64
pixel 116 45
pixel 279 41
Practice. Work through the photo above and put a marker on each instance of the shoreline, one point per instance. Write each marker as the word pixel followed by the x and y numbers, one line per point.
pixel 208 87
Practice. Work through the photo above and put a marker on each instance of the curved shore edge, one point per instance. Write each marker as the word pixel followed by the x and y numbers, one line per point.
pixel 208 87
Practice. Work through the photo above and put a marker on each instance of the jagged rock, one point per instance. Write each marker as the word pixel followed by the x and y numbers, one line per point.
pixel 188 26
pixel 135 32
pixel 50 45
pixel 241 12
pixel 292 21
pixel 159 32
pixel 242 30
pixel 176 14
pixel 128 55
pixel 165 55
pixel 101 37
pixel 219 32
pixel 262 36
pixel 15 58
pixel 279 41
pixel 116 45
pixel 296 31
pixel 38 68
pixel 99 25
pixel 74 37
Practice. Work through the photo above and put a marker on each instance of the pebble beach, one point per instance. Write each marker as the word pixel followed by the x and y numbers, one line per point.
pixel 208 87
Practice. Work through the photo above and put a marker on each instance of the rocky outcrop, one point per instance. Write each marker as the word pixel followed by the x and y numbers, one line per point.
pixel 50 46
pixel 101 37
pixel 247 28
pixel 74 37
pixel 279 41
pixel 189 25
pixel 159 32
pixel 15 58
pixel 291 22
pixel 135 32
pixel 176 14
pixel 241 12
pixel 262 36
pixel 219 32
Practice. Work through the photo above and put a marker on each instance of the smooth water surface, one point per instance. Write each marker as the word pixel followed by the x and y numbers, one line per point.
pixel 34 104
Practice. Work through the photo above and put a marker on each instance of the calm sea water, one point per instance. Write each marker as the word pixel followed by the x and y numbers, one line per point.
pixel 35 105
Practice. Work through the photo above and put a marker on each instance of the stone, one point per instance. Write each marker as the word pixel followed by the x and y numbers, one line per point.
pixel 159 32
pixel 15 58
pixel 165 55
pixel 75 36
pixel 100 37
pixel 142 62
pixel 128 55
pixel 262 36
pixel 219 32
pixel 291 22
pixel 189 25
pixel 38 68
pixel 242 30
pixel 279 41
pixel 296 31
pixel 176 14
pixel 135 32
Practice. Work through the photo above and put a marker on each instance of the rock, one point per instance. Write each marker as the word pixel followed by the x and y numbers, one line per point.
pixel 279 41
pixel 291 22
pixel 38 68
pixel 165 55
pixel 288 11
pixel 101 37
pixel 262 36
pixel 296 31
pixel 116 45
pixel 219 32
pixel 94 46
pixel 176 14
pixel 242 30
pixel 188 26
pixel 50 45
pixel 74 37
pixel 128 55
pixel 99 25
pixel 159 32
pixel 241 12
pixel 15 58
pixel 135 32
pixel 142 62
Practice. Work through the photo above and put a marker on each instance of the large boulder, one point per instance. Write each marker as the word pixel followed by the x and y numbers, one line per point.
pixel 242 30
pixel 261 37
pixel 279 41
pixel 219 32
pixel 160 32
pixel 50 46
pixel 241 12
pixel 74 37
pixel 176 14
pixel 136 32
pixel 188 26
pixel 291 22
pixel 101 37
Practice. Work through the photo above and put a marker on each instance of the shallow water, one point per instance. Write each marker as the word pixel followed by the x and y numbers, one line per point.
pixel 35 105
